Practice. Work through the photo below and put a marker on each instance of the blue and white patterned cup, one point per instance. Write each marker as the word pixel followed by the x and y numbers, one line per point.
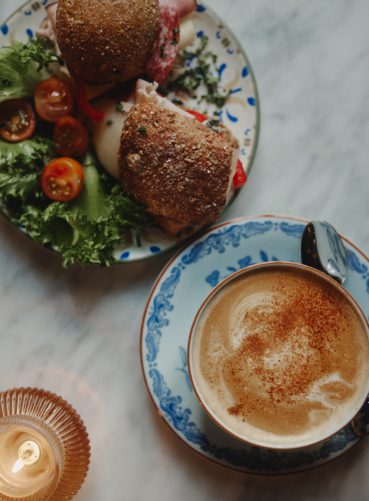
pixel 342 411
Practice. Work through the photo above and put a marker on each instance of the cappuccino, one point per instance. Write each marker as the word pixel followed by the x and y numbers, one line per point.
pixel 281 356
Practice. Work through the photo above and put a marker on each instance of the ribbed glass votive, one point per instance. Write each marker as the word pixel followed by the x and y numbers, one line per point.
pixel 44 447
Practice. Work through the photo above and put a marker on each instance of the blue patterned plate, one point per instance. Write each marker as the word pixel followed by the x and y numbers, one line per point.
pixel 240 113
pixel 179 291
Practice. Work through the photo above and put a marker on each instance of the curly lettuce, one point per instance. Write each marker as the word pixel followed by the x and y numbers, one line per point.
pixel 20 166
pixel 23 66
pixel 85 230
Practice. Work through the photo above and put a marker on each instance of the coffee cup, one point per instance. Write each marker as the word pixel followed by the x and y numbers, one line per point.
pixel 278 356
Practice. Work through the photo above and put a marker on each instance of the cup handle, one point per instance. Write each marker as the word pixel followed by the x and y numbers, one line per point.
pixel 360 423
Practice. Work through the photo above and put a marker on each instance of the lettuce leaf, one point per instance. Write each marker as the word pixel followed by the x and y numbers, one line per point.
pixel 30 154
pixel 17 185
pixel 85 230
pixel 20 165
pixel 23 66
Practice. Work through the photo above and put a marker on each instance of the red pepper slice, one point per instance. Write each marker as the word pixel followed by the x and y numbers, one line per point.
pixel 199 116
pixel 88 110
pixel 240 177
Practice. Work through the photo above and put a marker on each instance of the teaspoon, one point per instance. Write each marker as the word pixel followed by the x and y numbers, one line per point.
pixel 322 248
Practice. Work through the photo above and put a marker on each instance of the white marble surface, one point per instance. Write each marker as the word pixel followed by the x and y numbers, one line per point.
pixel 75 332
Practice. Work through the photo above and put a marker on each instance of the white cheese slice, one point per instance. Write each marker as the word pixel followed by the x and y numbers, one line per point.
pixel 106 134
pixel 187 33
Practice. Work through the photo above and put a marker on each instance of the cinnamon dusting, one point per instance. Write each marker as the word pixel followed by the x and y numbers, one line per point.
pixel 291 357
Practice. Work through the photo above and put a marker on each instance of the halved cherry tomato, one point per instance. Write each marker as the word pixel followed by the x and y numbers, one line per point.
pixel 54 99
pixel 17 120
pixel 199 116
pixel 87 109
pixel 71 137
pixel 240 177
pixel 62 179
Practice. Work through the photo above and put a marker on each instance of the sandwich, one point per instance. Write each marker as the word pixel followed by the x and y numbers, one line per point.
pixel 104 41
pixel 176 163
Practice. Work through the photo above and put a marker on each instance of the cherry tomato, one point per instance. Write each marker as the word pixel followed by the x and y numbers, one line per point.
pixel 87 109
pixel 62 179
pixel 199 116
pixel 240 177
pixel 53 99
pixel 17 120
pixel 71 137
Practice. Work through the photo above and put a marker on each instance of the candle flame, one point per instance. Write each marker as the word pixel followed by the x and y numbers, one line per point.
pixel 18 466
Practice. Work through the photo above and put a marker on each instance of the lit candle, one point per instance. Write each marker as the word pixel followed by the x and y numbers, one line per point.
pixel 27 462
pixel 28 454
pixel 44 448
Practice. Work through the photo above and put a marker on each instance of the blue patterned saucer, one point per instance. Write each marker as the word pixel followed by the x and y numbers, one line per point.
pixel 180 289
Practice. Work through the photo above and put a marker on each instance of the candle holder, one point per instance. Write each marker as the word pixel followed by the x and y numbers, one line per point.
pixel 44 447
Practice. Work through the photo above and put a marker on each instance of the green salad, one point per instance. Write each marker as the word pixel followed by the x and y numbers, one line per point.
pixel 84 230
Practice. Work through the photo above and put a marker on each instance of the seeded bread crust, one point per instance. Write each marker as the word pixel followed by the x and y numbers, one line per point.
pixel 176 167
pixel 107 40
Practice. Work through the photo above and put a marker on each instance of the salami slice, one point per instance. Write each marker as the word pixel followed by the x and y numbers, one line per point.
pixel 166 47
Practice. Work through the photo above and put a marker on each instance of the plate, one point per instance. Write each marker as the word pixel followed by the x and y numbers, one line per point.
pixel 177 294
pixel 240 114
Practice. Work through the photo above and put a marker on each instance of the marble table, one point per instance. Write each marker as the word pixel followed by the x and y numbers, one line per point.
pixel 76 332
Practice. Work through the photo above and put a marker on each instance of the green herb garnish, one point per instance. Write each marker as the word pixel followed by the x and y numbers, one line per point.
pixel 142 130
pixel 163 91
pixel 119 107
pixel 175 100
pixel 23 66
pixel 109 122
pixel 213 124
pixel 200 70
pixel 176 32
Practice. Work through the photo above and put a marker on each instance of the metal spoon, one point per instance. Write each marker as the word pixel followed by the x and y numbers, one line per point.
pixel 322 248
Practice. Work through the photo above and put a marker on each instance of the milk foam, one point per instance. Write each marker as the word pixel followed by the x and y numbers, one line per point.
pixel 280 357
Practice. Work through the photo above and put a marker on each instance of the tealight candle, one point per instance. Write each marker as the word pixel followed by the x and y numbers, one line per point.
pixel 44 447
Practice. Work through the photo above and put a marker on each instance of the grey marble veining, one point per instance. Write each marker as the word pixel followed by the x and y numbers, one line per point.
pixel 75 331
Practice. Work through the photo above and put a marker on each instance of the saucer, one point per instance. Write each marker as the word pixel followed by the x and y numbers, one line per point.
pixel 174 300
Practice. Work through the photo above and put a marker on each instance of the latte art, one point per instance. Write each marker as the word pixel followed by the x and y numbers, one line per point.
pixel 281 355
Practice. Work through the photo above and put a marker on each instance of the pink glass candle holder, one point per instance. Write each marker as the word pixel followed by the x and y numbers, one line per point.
pixel 44 447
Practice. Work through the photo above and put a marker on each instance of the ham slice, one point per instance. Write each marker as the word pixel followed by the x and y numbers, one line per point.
pixel 147 93
pixel 48 29
pixel 185 7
